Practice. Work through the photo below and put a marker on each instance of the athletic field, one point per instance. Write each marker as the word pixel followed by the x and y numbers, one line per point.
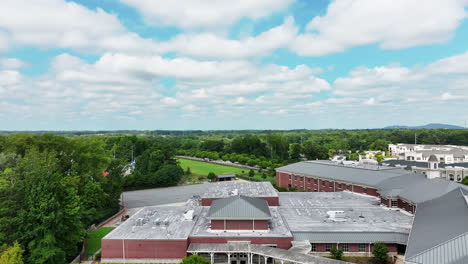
pixel 203 168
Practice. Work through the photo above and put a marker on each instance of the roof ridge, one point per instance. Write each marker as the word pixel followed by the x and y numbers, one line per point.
pixel 439 245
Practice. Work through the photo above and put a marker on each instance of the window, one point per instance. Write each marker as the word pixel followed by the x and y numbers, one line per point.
pixel 328 247
pixel 339 185
pixel 315 181
pixel 289 176
pixel 289 185
pixel 362 247
pixel 295 178
pixel 323 183
pixel 313 248
pixel 394 203
pixel 364 190
pixel 350 187
pixel 345 247
pixel 330 184
pixel 308 180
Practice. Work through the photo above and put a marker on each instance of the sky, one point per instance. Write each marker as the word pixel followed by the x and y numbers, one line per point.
pixel 204 64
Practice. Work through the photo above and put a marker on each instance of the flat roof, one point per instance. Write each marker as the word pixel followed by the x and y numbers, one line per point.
pixel 369 175
pixel 157 223
pixel 277 227
pixel 228 189
pixel 307 212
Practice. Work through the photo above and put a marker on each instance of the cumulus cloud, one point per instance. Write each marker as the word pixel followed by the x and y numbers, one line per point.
pixel 61 24
pixel 12 64
pixel 190 14
pixel 212 45
pixel 392 24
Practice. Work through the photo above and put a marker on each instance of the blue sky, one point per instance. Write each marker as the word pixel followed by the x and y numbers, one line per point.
pixel 264 64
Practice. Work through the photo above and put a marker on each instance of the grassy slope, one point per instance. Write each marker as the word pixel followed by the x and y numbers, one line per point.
pixel 203 168
pixel 93 241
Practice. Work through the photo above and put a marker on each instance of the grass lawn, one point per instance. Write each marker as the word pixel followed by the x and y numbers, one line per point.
pixel 93 241
pixel 203 168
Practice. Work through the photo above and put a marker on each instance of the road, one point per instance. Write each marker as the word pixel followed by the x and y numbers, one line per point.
pixel 161 196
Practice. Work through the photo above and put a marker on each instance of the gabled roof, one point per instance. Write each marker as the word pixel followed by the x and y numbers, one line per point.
pixel 433 158
pixel 239 207
pixel 440 230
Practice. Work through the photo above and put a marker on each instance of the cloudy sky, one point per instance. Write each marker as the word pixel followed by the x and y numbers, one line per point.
pixel 204 64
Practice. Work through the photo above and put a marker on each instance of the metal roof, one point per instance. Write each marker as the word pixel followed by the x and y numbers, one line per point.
pixel 239 207
pixel 416 188
pixel 271 252
pixel 354 174
pixel 439 233
pixel 226 176
pixel 421 164
pixel 352 237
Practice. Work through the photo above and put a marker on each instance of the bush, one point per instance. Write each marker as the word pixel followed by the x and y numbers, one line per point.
pixel 380 253
pixel 336 253
pixel 195 259
pixel 211 176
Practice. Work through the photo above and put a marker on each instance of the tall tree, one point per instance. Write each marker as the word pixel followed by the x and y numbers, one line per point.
pixel 12 255
pixel 49 219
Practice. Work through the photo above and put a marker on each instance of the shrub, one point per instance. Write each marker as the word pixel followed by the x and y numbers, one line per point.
pixel 380 253
pixel 336 253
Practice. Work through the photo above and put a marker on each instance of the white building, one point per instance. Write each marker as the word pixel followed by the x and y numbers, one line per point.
pixel 447 154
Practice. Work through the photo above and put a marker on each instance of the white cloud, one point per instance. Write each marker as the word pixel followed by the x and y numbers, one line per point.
pixel 11 64
pixel 203 13
pixel 393 24
pixel 211 45
pixel 61 24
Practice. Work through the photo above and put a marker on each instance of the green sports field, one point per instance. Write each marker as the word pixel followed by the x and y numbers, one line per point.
pixel 203 168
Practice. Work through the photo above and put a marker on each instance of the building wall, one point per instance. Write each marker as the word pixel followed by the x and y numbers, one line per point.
pixel 280 242
pixel 141 249
pixel 272 201
pixel 315 184
pixel 239 224
pixel 353 248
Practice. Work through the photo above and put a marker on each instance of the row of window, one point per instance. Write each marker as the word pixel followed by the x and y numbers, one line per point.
pixel 330 184
pixel 344 247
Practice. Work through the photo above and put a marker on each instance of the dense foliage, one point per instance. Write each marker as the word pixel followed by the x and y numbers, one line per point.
pixel 52 187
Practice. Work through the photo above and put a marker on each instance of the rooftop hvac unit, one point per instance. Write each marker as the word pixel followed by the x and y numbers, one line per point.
pixel 337 216
pixel 188 215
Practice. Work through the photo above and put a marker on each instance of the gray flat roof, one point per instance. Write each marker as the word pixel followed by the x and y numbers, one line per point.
pixel 440 230
pixel 226 176
pixel 364 175
pixel 239 207
pixel 307 212
pixel 252 189
pixel 157 222
pixel 277 226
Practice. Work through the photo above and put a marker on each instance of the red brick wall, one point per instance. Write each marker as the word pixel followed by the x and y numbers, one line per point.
pixel 323 185
pixel 239 224
pixel 320 247
pixel 272 201
pixel 144 248
pixel 281 242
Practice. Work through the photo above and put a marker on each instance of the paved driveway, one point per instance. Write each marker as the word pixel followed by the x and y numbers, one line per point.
pixel 160 196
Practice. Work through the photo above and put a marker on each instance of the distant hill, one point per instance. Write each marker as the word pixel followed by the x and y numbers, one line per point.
pixel 428 126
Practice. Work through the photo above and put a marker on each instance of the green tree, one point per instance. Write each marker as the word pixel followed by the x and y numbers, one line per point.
pixel 188 172
pixel 211 176
pixel 380 253
pixel 336 253
pixel 195 259
pixel 12 255
pixel 251 173
pixel 379 157
pixel 50 226
pixel 295 151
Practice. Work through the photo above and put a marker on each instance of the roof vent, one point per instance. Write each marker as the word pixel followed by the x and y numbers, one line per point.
pixel 188 215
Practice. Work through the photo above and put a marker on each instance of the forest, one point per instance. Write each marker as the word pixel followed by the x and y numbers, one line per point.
pixel 53 187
